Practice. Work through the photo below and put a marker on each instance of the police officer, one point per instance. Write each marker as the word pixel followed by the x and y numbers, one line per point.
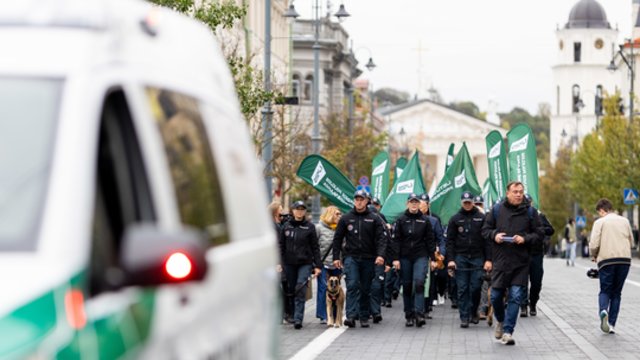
pixel 300 254
pixel 412 246
pixel 466 249
pixel 364 248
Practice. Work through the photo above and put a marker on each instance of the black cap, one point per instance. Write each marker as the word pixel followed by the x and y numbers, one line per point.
pixel 298 204
pixel 360 193
pixel 375 201
pixel 478 200
pixel 413 196
pixel 466 197
pixel 425 197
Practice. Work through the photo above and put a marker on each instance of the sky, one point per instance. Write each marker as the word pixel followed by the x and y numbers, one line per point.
pixel 484 51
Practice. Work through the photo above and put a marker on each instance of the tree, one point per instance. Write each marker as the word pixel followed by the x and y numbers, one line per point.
pixel 389 96
pixel 540 126
pixel 556 200
pixel 469 108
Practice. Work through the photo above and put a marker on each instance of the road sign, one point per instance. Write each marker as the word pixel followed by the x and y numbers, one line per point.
pixel 364 187
pixel 363 181
pixel 581 221
pixel 630 196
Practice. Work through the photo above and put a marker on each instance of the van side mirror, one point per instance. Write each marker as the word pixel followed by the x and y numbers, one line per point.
pixel 150 256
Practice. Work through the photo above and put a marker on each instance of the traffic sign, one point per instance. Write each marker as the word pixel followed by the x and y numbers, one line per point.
pixel 630 196
pixel 581 221
pixel 365 188
pixel 363 181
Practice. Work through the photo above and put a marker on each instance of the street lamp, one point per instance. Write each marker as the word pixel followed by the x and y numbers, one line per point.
pixel 267 113
pixel 315 138
pixel 630 62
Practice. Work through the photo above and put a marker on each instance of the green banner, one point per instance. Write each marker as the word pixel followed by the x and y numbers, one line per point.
pixel 450 157
pixel 380 176
pixel 489 194
pixel 397 171
pixel 460 177
pixel 409 182
pixel 329 181
pixel 523 160
pixel 497 158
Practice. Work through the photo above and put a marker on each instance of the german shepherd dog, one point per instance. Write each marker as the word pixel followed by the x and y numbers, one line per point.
pixel 335 301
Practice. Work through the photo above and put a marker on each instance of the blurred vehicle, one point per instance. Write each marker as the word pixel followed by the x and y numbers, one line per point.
pixel 132 208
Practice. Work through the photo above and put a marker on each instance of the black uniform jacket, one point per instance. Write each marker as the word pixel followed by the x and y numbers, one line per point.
pixel 464 235
pixel 360 235
pixel 413 237
pixel 299 243
pixel 511 261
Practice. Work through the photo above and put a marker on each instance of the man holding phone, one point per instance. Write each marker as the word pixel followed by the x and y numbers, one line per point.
pixel 511 229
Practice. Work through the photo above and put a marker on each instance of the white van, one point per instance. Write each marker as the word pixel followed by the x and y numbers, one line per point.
pixel 122 152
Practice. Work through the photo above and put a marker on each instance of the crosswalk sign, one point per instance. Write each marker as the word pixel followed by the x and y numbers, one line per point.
pixel 630 196
pixel 581 221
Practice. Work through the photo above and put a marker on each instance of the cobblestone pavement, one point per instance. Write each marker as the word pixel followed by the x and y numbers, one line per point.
pixel 567 327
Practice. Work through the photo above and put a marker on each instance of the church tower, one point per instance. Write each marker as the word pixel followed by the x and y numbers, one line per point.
pixel 580 76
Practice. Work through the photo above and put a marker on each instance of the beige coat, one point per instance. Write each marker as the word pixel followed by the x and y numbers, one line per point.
pixel 611 240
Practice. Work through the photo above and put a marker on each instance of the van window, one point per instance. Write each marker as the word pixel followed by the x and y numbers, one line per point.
pixel 28 112
pixel 193 171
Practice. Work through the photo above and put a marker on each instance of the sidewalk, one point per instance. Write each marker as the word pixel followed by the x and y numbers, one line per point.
pixel 567 327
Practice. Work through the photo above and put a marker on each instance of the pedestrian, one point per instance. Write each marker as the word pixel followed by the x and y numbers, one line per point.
pixel 571 239
pixel 364 247
pixel 412 247
pixel 610 246
pixel 377 284
pixel 278 215
pixel 466 254
pixel 536 266
pixel 325 230
pixel 511 228
pixel 438 281
pixel 301 255
pixel 478 201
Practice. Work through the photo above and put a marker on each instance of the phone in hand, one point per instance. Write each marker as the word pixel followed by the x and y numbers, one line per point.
pixel 508 239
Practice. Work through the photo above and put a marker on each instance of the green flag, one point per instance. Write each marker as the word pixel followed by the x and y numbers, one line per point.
pixel 489 194
pixel 409 182
pixel 460 177
pixel 450 157
pixel 497 157
pixel 401 163
pixel 523 161
pixel 380 176
pixel 329 181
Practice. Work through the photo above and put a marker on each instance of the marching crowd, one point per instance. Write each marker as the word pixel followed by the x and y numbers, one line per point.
pixel 488 263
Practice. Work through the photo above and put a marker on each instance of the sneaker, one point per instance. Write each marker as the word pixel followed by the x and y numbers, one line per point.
pixel 364 323
pixel 482 316
pixel 532 310
pixel 604 321
pixel 420 321
pixel 524 311
pixel 611 329
pixel 350 323
pixel 377 318
pixel 454 304
pixel 464 324
pixel 475 319
pixel 440 299
pixel 297 325
pixel 395 294
pixel 507 339
pixel 410 322
pixel 499 331
pixel 434 302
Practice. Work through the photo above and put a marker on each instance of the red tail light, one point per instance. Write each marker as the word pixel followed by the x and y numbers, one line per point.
pixel 178 266
pixel 74 308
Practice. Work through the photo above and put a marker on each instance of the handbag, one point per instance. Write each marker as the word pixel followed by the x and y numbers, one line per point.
pixel 309 293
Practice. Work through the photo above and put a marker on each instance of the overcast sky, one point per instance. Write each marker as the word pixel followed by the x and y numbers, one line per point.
pixel 500 50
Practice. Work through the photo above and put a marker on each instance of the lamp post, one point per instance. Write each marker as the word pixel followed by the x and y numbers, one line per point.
pixel 370 66
pixel 630 62
pixel 267 113
pixel 315 137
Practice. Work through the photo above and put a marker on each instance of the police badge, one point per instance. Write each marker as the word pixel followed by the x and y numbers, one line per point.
pixel 350 227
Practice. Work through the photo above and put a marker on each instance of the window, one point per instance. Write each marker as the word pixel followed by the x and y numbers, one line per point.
pixel 558 100
pixel 29 113
pixel 577 47
pixel 193 171
pixel 122 192
pixel 575 99
pixel 295 85
pixel 598 101
pixel 308 87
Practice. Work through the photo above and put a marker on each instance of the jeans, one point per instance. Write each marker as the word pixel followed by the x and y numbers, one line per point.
pixel 377 290
pixel 571 253
pixel 358 273
pixel 469 281
pixel 321 298
pixel 413 274
pixel 612 279
pixel 391 284
pixel 298 275
pixel 536 271
pixel 513 306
